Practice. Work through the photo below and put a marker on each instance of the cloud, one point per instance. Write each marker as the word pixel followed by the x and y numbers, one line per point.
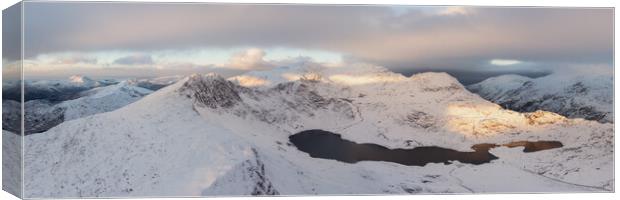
pixel 453 37
pixel 75 60
pixel 42 70
pixel 11 33
pixel 527 34
pixel 455 10
pixel 253 59
pixel 135 60
pixel 250 59
pixel 503 62
pixel 130 64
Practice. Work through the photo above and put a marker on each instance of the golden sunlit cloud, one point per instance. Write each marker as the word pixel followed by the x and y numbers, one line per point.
pixel 455 10
pixel 249 59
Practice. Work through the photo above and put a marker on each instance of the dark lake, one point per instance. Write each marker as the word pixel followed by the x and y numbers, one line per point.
pixel 328 145
pixel 534 146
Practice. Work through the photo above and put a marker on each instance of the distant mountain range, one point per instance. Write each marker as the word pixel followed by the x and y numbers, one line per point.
pixel 576 96
pixel 51 90
pixel 55 101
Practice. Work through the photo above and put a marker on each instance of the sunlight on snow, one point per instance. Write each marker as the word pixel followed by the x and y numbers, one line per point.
pixel 250 81
pixel 481 120
pixel 363 79
pixel 491 119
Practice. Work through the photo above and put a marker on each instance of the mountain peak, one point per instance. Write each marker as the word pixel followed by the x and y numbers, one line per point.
pixel 436 81
pixel 211 90
pixel 438 76
pixel 80 79
pixel 506 81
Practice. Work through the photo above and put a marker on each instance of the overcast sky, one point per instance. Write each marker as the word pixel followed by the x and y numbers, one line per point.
pixel 127 39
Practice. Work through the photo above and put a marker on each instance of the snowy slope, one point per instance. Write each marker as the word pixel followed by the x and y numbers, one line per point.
pixel 11 163
pixel 575 96
pixel 41 115
pixel 103 99
pixel 205 136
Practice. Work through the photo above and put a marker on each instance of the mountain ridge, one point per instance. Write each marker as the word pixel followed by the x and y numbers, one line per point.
pixel 42 114
pixel 586 97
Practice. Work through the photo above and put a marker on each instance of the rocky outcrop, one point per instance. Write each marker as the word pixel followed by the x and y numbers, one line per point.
pixel 249 178
pixel 211 91
pixel 280 104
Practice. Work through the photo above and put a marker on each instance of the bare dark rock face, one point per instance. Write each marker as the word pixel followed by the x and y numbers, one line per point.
pixel 212 91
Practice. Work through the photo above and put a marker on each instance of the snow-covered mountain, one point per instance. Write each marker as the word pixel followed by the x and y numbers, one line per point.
pixel 41 115
pixel 577 96
pixel 77 80
pixel 156 83
pixel 11 116
pixel 52 90
pixel 206 135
